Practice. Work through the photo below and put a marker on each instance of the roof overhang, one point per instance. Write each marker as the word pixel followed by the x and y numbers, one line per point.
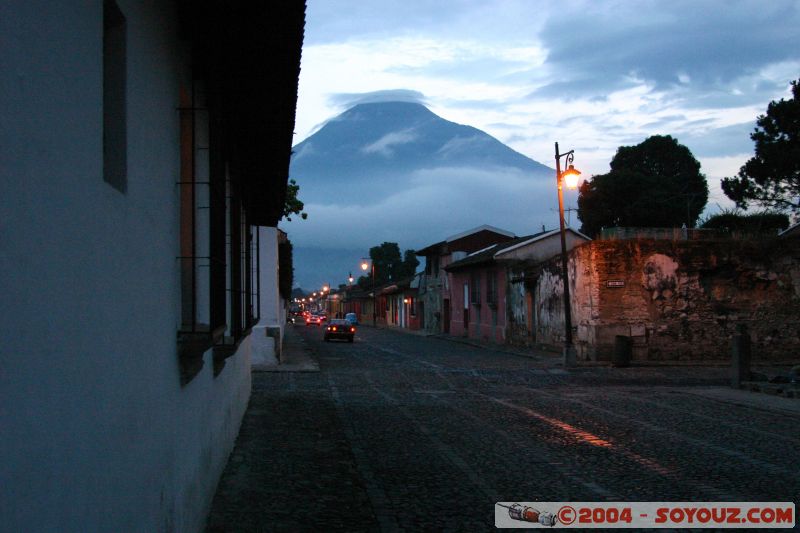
pixel 247 53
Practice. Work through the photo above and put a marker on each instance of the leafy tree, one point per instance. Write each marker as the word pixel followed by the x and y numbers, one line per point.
pixel 386 258
pixel 772 178
pixel 409 265
pixel 656 183
pixel 285 269
pixel 763 222
pixel 388 265
pixel 293 205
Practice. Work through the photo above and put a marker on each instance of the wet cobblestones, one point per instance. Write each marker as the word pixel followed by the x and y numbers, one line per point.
pixel 407 433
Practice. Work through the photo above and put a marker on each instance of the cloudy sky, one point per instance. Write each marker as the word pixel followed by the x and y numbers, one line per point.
pixel 592 75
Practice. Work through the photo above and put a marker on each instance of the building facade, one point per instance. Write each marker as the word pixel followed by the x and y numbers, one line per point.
pixel 402 303
pixel 486 289
pixel 143 145
pixel 435 300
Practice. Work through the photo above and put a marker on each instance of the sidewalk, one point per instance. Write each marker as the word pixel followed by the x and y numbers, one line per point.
pixel 295 355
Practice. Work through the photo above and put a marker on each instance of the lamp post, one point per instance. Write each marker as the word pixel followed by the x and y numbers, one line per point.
pixel 365 264
pixel 570 177
pixel 325 294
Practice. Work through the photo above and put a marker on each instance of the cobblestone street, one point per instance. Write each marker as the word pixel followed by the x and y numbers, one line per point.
pixel 400 432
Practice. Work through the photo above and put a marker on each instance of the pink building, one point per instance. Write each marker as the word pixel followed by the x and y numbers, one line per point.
pixel 479 283
pixel 478 292
pixel 435 302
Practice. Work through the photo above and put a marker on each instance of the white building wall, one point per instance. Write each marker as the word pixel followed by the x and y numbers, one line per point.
pixel 542 249
pixel 97 433
pixel 266 349
pixel 270 311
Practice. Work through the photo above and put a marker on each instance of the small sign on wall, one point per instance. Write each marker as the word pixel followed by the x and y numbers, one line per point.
pixel 615 283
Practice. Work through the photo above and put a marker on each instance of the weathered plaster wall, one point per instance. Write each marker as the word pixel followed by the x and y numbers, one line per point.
pixel 541 249
pixel 517 330
pixel 535 315
pixel 434 289
pixel 677 300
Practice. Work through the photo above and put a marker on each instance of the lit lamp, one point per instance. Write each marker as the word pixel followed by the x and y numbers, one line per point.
pixel 323 294
pixel 350 278
pixel 365 264
pixel 570 178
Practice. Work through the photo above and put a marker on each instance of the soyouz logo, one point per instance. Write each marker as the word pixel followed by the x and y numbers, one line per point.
pixel 622 515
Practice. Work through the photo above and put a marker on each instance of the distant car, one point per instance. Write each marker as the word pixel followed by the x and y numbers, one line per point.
pixel 339 328
pixel 316 320
pixel 352 318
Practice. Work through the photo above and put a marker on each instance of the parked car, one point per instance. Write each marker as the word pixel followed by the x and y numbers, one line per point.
pixel 339 328
pixel 352 318
pixel 315 320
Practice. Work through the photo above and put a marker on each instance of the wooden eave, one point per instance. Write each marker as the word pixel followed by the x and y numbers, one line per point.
pixel 248 55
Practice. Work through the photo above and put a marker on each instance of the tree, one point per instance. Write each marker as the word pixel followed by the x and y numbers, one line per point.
pixel 753 223
pixel 409 265
pixel 772 178
pixel 285 269
pixel 656 183
pixel 293 205
pixel 388 265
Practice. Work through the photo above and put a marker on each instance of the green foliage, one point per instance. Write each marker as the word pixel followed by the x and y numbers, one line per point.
pixel 772 177
pixel 410 264
pixel 293 205
pixel 656 183
pixel 733 220
pixel 285 269
pixel 388 265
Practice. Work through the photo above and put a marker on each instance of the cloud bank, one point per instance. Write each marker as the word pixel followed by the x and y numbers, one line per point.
pixel 437 203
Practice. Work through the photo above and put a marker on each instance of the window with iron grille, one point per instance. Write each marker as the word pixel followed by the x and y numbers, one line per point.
pixel 475 288
pixel 491 288
pixel 218 248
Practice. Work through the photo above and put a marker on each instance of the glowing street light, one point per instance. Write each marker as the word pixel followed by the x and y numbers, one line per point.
pixel 570 178
pixel 365 264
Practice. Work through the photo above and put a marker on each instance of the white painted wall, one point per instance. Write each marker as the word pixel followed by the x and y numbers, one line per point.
pixel 270 311
pixel 97 433
pixel 542 249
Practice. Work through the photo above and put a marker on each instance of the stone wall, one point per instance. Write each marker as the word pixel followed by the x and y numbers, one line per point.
pixel 677 300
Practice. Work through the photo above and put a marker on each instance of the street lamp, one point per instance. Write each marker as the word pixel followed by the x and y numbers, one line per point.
pixel 350 278
pixel 570 178
pixel 365 264
pixel 323 300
